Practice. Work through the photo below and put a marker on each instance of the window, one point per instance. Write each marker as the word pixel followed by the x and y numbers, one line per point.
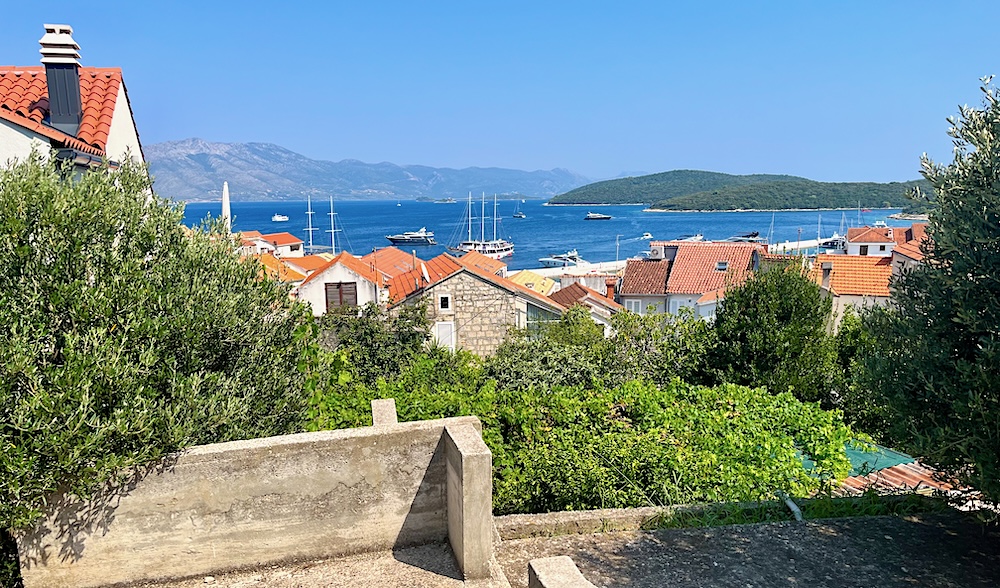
pixel 537 316
pixel 341 294
pixel 444 334
pixel 633 306
pixel 721 266
pixel 675 306
pixel 881 247
pixel 864 250
pixel 444 303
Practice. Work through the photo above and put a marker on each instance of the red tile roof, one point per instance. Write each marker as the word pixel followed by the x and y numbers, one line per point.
pixel 855 275
pixel 438 268
pixel 392 261
pixel 713 296
pixel 280 239
pixel 444 266
pixel 910 249
pixel 276 270
pixel 477 259
pixel 907 477
pixel 308 263
pixel 578 293
pixel 24 94
pixel 695 266
pixel 869 235
pixel 645 276
pixel 350 262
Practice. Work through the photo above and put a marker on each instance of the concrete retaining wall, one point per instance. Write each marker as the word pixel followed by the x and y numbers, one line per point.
pixel 247 503
pixel 555 572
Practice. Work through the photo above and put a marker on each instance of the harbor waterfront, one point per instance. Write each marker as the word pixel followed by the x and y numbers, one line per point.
pixel 363 224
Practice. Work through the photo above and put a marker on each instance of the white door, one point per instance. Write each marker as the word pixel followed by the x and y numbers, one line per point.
pixel 444 334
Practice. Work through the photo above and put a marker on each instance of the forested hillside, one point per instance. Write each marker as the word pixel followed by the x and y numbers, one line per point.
pixel 657 187
pixel 796 194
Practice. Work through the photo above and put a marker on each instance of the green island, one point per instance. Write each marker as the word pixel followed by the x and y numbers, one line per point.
pixel 702 190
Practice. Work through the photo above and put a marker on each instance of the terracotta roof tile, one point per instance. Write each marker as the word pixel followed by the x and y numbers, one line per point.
pixel 308 263
pixel 275 269
pixel 438 268
pixel 645 276
pixel 578 293
pixel 869 235
pixel 347 260
pixel 696 266
pixel 24 92
pixel 476 259
pixel 281 239
pixel 907 477
pixel 855 275
pixel 909 249
pixel 392 261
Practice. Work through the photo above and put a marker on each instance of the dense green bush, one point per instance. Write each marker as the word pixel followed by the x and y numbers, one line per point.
pixel 772 331
pixel 126 338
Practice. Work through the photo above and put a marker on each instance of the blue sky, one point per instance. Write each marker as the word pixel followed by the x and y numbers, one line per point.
pixel 834 91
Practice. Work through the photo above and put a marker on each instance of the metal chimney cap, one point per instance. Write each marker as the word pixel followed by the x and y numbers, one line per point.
pixel 58 45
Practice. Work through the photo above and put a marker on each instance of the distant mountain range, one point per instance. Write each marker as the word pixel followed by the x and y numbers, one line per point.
pixel 193 169
pixel 703 190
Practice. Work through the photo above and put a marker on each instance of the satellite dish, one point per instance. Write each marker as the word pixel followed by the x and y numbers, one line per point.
pixel 423 270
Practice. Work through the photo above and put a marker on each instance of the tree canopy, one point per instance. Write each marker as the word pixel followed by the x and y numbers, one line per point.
pixel 935 359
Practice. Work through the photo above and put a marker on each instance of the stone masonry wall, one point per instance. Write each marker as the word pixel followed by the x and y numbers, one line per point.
pixel 482 312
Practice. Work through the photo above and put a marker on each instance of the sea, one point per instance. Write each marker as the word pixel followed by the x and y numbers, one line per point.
pixel 363 225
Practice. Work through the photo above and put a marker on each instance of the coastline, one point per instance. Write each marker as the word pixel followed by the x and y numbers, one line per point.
pixel 595 204
pixel 763 209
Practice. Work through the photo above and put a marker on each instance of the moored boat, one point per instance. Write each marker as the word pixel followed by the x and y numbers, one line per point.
pixel 569 259
pixel 279 218
pixel 496 248
pixel 597 216
pixel 695 237
pixel 421 237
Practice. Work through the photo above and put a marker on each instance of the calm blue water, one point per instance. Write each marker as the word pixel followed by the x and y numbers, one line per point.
pixel 546 230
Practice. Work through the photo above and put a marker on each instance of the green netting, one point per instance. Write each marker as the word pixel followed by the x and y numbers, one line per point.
pixel 866 462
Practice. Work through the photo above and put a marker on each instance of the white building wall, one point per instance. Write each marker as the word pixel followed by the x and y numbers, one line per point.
pixel 314 291
pixel 123 138
pixel 16 143
pixel 874 249
pixel 675 302
pixel 658 302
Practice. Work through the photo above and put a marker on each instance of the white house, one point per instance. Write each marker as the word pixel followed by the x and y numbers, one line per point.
pixel 343 281
pixel 871 241
pixel 79 114
pixel 285 244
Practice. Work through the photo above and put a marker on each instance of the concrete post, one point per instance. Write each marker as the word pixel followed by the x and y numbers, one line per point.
pixel 470 500
pixel 384 412
pixel 555 572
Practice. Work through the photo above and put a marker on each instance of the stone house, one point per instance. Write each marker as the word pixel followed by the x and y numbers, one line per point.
pixel 468 307
pixel 78 114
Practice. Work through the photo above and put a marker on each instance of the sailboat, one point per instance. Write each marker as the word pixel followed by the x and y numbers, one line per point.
pixel 495 248
pixel 517 211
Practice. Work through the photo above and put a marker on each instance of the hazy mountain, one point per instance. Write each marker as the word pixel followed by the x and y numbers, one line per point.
pixel 194 169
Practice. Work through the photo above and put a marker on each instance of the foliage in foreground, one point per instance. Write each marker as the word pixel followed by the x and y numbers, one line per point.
pixel 565 441
pixel 936 357
pixel 126 339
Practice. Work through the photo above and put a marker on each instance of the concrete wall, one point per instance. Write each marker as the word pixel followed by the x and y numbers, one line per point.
pixel 659 302
pixel 555 572
pixel 249 503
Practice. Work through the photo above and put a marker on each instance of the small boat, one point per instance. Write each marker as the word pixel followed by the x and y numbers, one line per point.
pixel 597 216
pixel 568 259
pixel 751 237
pixel 646 237
pixel 693 238
pixel 517 211
pixel 279 218
pixel 421 237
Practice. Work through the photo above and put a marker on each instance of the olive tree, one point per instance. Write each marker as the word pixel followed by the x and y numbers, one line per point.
pixel 935 361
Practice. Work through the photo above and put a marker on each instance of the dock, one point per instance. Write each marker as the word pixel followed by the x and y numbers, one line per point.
pixel 602 267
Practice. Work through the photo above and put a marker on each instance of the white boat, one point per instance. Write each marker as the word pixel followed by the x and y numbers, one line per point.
pixel 692 238
pixel 597 216
pixel 751 237
pixel 496 247
pixel 421 237
pixel 517 211
pixel 646 237
pixel 279 218
pixel 569 259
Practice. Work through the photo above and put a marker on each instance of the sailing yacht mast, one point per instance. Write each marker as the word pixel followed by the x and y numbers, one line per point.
pixel 482 219
pixel 470 215
pixel 494 216
pixel 309 220
pixel 333 228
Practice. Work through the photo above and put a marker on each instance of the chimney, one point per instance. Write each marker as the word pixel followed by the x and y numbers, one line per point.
pixel 61 57
pixel 609 285
pixel 827 270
